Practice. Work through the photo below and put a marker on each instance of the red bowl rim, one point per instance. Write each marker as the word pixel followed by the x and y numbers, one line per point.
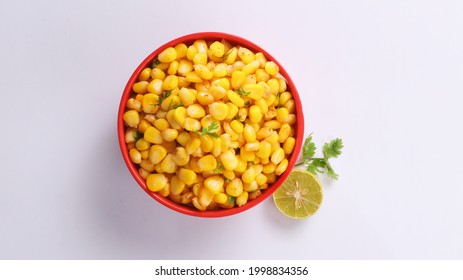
pixel 235 40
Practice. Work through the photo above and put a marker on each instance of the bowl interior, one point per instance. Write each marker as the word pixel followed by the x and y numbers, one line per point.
pixel 234 40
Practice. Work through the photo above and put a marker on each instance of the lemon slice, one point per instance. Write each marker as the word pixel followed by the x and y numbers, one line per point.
pixel 300 195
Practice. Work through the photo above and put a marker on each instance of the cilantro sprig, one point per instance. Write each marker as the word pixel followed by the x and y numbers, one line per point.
pixel 315 165
pixel 209 130
pixel 164 95
pixel 242 92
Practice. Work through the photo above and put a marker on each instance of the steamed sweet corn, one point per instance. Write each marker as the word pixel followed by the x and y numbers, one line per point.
pixel 210 124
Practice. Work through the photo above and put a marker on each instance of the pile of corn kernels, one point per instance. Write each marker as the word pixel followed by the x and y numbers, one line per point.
pixel 210 125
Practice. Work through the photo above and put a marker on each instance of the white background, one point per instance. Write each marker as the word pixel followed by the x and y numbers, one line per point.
pixel 386 76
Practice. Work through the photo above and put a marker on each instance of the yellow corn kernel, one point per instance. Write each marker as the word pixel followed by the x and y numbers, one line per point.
pixel 220 70
pixel 168 164
pixel 262 59
pixel 153 135
pixel 242 165
pixel 176 185
pixel 265 148
pixel 282 115
pixel 250 174
pixel 237 79
pixel 289 144
pixel 214 184
pixel 195 111
pixel 205 98
pixel 193 145
pixel 184 67
pixel 262 105
pixel 201 46
pixel 155 86
pixel 277 156
pixel 284 132
pixel 242 199
pixel 271 178
pixel 225 140
pixel 180 115
pixel 186 96
pixel 145 74
pixel 261 75
pixel 192 124
pixel 143 173
pixel 207 163
pixel 222 82
pixel 132 118
pixel 282 85
pixel 197 204
pixel 203 71
pixel 255 91
pixel 147 165
pixel 246 55
pixel 156 154
pixel 177 198
pixel 169 134
pixel 206 143
pixel 134 104
pixel 285 97
pixel 170 83
pixel 255 194
pixel 252 147
pixel 183 138
pixel 229 174
pixel 281 167
pixel 180 49
pixel 170 146
pixel 135 156
pixel 217 49
pixel 168 55
pixel 269 168
pixel 170 118
pixel 181 156
pixel 156 182
pixel 250 79
pixel 229 160
pixel 241 140
pixel 273 124
pixel 237 126
pixel 271 68
pixel 142 144
pixel 163 66
pixel 218 110
pixel 251 68
pixel 144 154
pixel 140 87
pixel 151 118
pixel 249 133
pixel 131 135
pixel 291 106
pixel 143 125
pixel 220 198
pixel 200 59
pixel 187 198
pixel 217 147
pixel 235 98
pixel 291 119
pixel 261 179
pixel 274 86
pixel 205 196
pixel 150 103
pixel 217 91
pixel 173 68
pixel 191 52
pixel 234 187
pixel 182 82
pixel 231 55
pixel 263 133
pixel 250 187
pixel 187 176
pixel 161 124
pixel 157 74
pixel 255 114
pixel 193 77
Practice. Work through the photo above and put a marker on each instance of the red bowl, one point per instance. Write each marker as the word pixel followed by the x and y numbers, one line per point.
pixel 189 39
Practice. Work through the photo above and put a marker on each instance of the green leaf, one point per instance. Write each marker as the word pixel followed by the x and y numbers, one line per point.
pixel 209 129
pixel 137 135
pixel 155 63
pixel 333 148
pixel 242 92
pixel 316 165
pixel 331 172
pixel 308 149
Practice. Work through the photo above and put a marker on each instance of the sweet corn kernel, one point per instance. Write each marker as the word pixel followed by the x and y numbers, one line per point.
pixel 205 197
pixel 284 132
pixel 143 125
pixel 254 91
pixel 250 187
pixel 206 143
pixel 168 55
pixel 187 176
pixel 181 49
pixel 170 118
pixel 289 144
pixel 273 124
pixel 229 174
pixel 193 145
pixel 156 182
pixel 202 71
pixel 251 68
pixel 242 199
pixel 231 55
pixel 217 49
pixel 191 52
pixel 234 187
pixel 220 70
pixel 281 167
pixel 183 138
pixel 170 83
pixel 169 134
pixel 153 135
pixel 246 55
pixel 237 79
pixel 217 91
pixel 261 179
pixel 277 156
pixel 145 74
pixel 220 198
pixel 291 106
pixel 176 185
pixel 237 126
pixel 131 118
pixel 205 98
pixel 214 184
pixel 140 87
pixel 200 59
pixel 249 133
pixel 218 110
pixel 197 204
pixel 255 114
pixel 157 74
pixel 135 156
pixel 235 98
pixel 229 160
pixel 157 154
pixel 161 124
pixel 282 115
pixel 180 115
pixel 207 163
pixel 271 68
pixel 192 124
pixel 261 75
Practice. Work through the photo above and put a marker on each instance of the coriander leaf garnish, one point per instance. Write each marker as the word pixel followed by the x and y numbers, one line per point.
pixel 219 169
pixel 209 130
pixel 137 135
pixel 155 63
pixel 174 106
pixel 315 165
pixel 164 95
pixel 242 92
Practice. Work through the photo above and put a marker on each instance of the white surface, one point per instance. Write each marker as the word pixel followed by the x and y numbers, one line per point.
pixel 386 76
